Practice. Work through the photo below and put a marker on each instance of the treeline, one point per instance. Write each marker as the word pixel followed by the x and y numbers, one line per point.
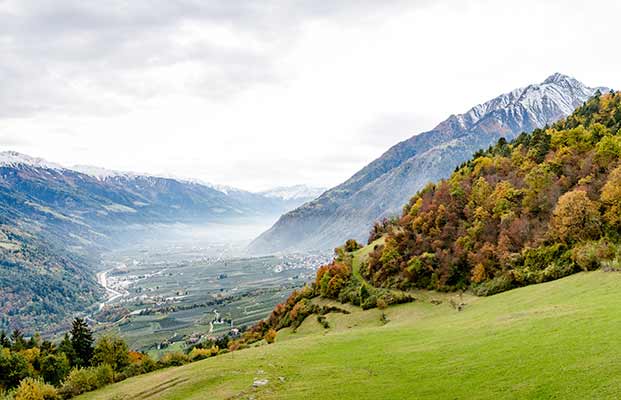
pixel 35 369
pixel 539 208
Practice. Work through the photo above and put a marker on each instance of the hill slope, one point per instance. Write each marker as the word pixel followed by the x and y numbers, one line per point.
pixel 553 340
pixel 382 187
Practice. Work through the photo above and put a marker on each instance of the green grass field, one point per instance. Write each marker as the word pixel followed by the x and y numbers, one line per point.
pixel 557 340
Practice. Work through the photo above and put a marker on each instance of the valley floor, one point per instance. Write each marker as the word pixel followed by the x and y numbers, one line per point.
pixel 557 340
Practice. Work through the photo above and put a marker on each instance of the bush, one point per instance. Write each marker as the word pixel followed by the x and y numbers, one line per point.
pixel 323 321
pixel 104 375
pixel 139 365
pixel 81 380
pixel 539 258
pixel 174 359
pixel 351 245
pixel 370 302
pixel 200 354
pixel 589 255
pixel 270 336
pixel 496 285
pixel 35 389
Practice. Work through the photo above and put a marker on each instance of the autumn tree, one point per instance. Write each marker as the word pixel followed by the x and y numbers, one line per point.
pixel 611 197
pixel 270 336
pixel 575 217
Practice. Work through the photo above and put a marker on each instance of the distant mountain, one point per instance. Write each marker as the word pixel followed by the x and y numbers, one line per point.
pixel 381 188
pixel 295 195
pixel 54 220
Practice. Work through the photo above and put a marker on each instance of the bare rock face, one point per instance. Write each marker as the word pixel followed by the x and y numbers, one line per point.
pixel 381 188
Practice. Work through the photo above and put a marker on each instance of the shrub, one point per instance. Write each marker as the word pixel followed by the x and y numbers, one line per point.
pixel 323 321
pixel 35 389
pixel 174 359
pixel 200 354
pixel 270 336
pixel 104 375
pixel 352 245
pixel 139 365
pixel 539 258
pixel 81 380
pixel 496 285
pixel 370 302
pixel 589 255
pixel 381 303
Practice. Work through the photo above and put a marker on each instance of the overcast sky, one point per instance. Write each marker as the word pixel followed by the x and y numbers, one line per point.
pixel 264 93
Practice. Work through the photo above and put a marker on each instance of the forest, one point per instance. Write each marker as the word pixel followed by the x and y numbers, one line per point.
pixel 542 207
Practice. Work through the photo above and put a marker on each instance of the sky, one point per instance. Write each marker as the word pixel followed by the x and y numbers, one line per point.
pixel 256 94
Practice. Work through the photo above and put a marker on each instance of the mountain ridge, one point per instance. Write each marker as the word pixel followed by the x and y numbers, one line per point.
pixel 380 189
pixel 55 220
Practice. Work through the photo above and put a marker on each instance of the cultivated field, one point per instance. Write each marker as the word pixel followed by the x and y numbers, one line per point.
pixel 164 296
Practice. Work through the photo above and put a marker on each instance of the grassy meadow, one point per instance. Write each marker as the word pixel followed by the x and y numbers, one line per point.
pixel 557 340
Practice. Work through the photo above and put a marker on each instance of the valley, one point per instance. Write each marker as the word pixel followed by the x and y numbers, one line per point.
pixel 168 292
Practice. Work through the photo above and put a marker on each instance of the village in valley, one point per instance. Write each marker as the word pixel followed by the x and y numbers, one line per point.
pixel 168 299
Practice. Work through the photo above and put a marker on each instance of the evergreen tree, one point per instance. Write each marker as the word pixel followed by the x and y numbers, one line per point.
pixel 47 347
pixel 65 347
pixel 4 340
pixel 82 343
pixel 17 340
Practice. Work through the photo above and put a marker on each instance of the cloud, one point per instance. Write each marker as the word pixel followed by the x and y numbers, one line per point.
pixel 74 56
pixel 260 93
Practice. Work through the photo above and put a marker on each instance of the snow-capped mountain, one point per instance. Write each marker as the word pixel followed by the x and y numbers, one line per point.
pixel 295 192
pixel 101 173
pixel 15 159
pixel 381 188
pixel 131 193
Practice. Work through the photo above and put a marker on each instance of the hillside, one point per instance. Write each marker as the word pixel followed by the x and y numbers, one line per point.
pixel 553 340
pixel 541 207
pixel 381 188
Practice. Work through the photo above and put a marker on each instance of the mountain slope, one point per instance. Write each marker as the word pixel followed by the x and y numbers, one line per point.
pixel 382 187
pixel 508 346
pixel 538 208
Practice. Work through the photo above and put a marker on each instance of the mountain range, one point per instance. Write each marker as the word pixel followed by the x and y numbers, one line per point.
pixel 382 187
pixel 54 220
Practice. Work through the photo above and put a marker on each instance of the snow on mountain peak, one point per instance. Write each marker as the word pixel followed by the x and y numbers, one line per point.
pixel 558 77
pixel 15 159
pixel 293 192
pixel 99 172
pixel 557 95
